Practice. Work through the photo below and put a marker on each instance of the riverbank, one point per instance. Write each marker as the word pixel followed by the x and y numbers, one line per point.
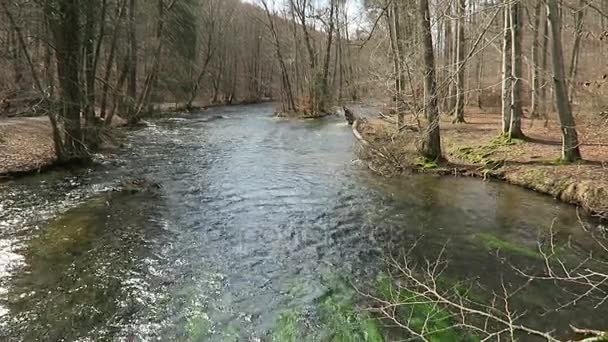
pixel 26 145
pixel 475 149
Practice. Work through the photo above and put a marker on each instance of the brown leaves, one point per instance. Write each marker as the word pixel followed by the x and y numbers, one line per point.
pixel 26 144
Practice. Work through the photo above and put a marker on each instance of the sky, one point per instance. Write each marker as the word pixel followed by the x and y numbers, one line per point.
pixel 354 10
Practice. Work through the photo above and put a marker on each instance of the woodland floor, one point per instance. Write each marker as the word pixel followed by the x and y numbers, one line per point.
pixel 474 149
pixel 26 145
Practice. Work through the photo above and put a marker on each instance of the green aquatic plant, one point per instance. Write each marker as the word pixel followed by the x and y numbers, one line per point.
pixel 493 242
pixel 425 318
pixel 337 318
pixel 343 322
pixel 288 327
pixel 198 326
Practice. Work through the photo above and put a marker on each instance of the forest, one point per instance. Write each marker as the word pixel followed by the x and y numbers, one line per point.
pixel 303 170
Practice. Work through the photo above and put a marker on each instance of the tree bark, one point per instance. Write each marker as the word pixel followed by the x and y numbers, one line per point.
pixel 65 23
pixel 570 146
pixel 325 92
pixel 110 62
pixel 536 68
pixel 576 47
pixel 430 146
pixel 132 54
pixel 287 90
pixel 506 69
pixel 517 70
pixel 460 65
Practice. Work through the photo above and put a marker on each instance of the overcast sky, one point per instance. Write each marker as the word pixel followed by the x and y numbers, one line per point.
pixel 354 8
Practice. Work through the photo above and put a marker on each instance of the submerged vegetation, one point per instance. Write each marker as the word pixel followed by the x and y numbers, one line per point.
pixel 346 315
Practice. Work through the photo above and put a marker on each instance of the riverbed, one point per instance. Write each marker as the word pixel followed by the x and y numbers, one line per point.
pixel 252 213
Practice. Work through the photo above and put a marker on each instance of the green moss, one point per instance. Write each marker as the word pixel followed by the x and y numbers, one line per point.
pixel 504 140
pixel 481 154
pixel 493 242
pixel 426 164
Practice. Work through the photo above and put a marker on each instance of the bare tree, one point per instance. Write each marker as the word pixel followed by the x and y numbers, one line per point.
pixel 460 65
pixel 430 145
pixel 570 146
pixel 517 70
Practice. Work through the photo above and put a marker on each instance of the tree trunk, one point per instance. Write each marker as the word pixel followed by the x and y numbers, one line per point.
pixel 287 90
pixel 570 146
pixel 393 23
pixel 325 92
pixel 517 70
pixel 65 22
pixel 110 63
pixel 543 82
pixel 460 65
pixel 91 126
pixel 578 27
pixel 132 56
pixel 430 146
pixel 536 69
pixel 506 70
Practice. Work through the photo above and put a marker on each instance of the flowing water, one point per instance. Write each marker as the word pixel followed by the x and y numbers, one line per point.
pixel 253 211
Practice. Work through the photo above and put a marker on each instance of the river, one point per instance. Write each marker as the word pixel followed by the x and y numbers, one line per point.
pixel 253 211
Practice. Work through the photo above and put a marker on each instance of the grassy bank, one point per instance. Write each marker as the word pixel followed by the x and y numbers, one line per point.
pixel 476 149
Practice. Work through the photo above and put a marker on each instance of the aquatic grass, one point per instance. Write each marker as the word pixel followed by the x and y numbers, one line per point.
pixel 425 318
pixel 198 326
pixel 338 319
pixel 342 322
pixel 493 242
pixel 70 233
pixel 289 327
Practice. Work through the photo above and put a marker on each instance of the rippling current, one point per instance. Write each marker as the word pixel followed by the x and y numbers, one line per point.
pixel 253 210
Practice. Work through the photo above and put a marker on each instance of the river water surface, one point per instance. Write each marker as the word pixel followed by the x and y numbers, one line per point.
pixel 253 211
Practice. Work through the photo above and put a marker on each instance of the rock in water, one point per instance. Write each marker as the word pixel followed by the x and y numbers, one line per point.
pixel 350 116
pixel 139 185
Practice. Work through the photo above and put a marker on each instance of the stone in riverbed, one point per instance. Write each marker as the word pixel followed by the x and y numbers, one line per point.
pixel 139 185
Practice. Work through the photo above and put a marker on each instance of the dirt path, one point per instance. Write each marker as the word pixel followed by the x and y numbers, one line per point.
pixel 26 145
